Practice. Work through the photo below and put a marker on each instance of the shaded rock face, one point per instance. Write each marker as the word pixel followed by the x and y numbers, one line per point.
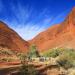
pixel 60 35
pixel 10 39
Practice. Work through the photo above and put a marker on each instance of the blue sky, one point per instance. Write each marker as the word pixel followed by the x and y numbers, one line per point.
pixel 30 17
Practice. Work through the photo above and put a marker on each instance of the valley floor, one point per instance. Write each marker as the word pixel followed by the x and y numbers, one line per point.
pixel 42 68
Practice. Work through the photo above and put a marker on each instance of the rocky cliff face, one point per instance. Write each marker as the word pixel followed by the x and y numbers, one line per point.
pixel 11 40
pixel 60 35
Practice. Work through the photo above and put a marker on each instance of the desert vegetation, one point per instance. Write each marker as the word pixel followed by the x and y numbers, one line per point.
pixel 6 52
pixel 64 57
pixel 67 59
pixel 7 55
pixel 33 52
pixel 26 69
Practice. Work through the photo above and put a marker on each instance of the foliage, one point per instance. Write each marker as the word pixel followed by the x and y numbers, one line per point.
pixel 67 58
pixel 33 52
pixel 6 52
pixel 22 57
pixel 28 70
pixel 6 59
pixel 53 52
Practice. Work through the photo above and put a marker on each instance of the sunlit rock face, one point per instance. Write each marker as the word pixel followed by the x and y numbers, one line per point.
pixel 60 35
pixel 10 39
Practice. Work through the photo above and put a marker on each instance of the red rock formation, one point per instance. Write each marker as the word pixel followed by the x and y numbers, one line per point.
pixel 11 40
pixel 60 35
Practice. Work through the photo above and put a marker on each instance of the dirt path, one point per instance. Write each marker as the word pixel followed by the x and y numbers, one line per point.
pixel 6 68
pixel 9 70
pixel 41 68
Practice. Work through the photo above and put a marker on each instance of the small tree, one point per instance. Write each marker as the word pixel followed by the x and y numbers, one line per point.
pixel 33 52
pixel 26 69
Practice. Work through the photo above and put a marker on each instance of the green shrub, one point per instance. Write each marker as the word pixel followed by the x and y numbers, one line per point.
pixel 67 58
pixel 52 52
pixel 28 70
pixel 65 63
pixel 33 52
pixel 22 57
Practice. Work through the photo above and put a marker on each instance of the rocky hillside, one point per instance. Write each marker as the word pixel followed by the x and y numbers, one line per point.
pixel 11 40
pixel 60 35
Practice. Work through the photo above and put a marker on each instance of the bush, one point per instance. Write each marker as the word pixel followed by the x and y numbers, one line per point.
pixel 52 52
pixel 22 57
pixel 6 59
pixel 65 63
pixel 33 52
pixel 67 59
pixel 28 70
pixel 6 52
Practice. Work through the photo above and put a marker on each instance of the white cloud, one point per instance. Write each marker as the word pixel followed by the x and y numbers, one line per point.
pixel 26 27
pixel 28 32
pixel 30 29
pixel 21 13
